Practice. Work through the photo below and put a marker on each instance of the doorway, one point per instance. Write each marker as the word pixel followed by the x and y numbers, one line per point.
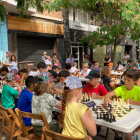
pixel 78 53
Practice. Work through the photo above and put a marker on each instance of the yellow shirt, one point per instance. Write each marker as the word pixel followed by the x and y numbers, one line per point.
pixel 133 94
pixel 73 120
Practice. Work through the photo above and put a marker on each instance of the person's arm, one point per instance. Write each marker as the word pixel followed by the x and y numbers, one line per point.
pixel 94 96
pixel 133 102
pixel 108 96
pixel 57 91
pixel 7 64
pixel 112 84
pixel 22 83
pixel 59 105
pixel 18 88
pixel 89 123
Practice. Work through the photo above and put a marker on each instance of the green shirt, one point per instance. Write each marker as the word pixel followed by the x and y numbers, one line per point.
pixel 133 94
pixel 8 96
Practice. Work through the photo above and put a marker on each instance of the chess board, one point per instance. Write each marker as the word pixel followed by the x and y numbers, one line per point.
pixel 121 112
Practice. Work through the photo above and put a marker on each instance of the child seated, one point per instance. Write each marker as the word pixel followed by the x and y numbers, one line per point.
pixel 96 67
pixel 8 93
pixel 74 68
pixel 3 72
pixel 85 70
pixel 129 91
pixel 43 101
pixel 111 66
pixel 127 65
pixel 119 66
pixel 95 89
pixel 25 98
pixel 105 73
pixel 75 117
pixel 42 67
pixel 33 72
pixel 62 75
pixel 23 76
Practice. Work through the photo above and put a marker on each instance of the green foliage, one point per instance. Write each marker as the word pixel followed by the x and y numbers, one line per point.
pixel 2 12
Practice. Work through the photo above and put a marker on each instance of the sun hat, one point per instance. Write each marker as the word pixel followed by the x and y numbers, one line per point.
pixel 93 74
pixel 11 76
pixel 46 77
pixel 73 82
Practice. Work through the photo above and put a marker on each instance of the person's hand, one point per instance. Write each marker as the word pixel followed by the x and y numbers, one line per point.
pixel 16 84
pixel 70 62
pixel 57 91
pixel 130 101
pixel 24 75
pixel 94 96
pixel 10 64
pixel 107 100
pixel 84 75
pixel 3 77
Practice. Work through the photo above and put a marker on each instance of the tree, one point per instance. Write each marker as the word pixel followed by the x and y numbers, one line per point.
pixel 120 18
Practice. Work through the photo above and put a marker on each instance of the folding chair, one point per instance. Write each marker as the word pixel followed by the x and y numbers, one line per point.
pixel 23 129
pixel 12 127
pixel 56 136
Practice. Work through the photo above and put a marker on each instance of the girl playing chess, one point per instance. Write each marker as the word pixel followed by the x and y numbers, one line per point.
pixel 75 117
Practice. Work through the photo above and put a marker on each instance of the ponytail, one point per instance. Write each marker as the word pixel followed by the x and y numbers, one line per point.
pixel 64 102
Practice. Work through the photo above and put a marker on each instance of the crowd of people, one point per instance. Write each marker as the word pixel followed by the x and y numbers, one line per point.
pixel 49 78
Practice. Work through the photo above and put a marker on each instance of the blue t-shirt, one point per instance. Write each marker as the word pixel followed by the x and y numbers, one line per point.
pixel 69 60
pixel 24 104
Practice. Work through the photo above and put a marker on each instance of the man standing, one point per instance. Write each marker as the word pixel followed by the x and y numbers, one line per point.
pixel 70 60
pixel 106 60
pixel 44 57
pixel 125 58
pixel 6 60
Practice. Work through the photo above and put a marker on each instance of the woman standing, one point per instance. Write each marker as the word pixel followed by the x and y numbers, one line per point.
pixel 14 64
pixel 54 58
pixel 86 60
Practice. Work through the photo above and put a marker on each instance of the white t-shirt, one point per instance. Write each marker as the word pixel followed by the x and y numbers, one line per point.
pixel 33 73
pixel 48 62
pixel 125 57
pixel 82 72
pixel 73 70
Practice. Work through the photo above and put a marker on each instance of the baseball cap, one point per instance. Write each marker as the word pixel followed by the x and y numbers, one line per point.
pixel 45 52
pixel 18 78
pixel 73 82
pixel 46 77
pixel 11 76
pixel 93 74
pixel 110 64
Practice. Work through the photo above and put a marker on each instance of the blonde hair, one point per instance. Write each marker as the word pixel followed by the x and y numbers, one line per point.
pixel 85 65
pixel 75 63
pixel 105 71
pixel 97 64
pixel 66 96
pixel 42 88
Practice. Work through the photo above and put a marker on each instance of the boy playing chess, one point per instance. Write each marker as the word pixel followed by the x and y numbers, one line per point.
pixel 95 89
pixel 128 92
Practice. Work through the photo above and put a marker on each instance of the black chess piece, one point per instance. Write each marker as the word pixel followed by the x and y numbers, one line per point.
pixel 114 118
pixel 130 108
pixel 93 108
pixel 97 116
pixel 101 116
pixel 107 117
pixel 88 98
pixel 97 108
pixel 111 118
pixel 83 99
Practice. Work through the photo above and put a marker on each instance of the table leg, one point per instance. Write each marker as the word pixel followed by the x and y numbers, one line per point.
pixel 123 136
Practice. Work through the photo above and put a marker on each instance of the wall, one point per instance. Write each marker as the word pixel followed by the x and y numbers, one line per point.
pixel 99 54
pixel 32 25
pixel 119 54
pixel 3 39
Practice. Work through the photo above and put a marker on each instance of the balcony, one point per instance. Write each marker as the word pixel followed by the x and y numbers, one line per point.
pixel 11 7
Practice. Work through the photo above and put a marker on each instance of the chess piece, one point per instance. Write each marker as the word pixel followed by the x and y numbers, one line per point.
pixel 121 113
pixel 114 118
pixel 101 116
pixel 83 98
pixel 111 119
pixel 107 117
pixel 130 108
pixel 88 97
pixel 97 116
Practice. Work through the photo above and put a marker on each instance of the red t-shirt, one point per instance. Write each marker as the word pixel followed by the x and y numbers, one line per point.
pixel 100 90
